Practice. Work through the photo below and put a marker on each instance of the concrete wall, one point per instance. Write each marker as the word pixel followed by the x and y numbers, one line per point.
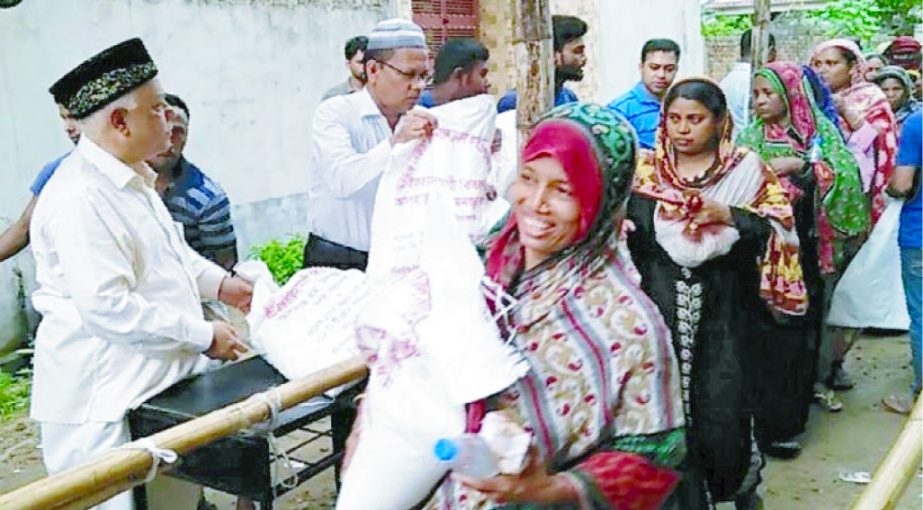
pixel 252 72
pixel 625 29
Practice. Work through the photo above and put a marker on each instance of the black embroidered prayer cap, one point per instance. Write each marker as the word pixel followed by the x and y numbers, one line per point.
pixel 104 77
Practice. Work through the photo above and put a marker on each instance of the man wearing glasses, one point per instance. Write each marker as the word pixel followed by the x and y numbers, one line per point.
pixel 353 136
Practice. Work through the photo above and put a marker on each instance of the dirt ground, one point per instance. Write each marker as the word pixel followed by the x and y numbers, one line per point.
pixel 853 440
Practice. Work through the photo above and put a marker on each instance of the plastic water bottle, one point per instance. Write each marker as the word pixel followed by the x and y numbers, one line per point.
pixel 467 455
pixel 816 154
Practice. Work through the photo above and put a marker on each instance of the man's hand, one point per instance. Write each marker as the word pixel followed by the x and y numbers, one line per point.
pixel 415 124
pixel 225 343
pixel 236 292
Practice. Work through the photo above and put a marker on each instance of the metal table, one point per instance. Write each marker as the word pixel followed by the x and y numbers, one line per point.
pixel 242 464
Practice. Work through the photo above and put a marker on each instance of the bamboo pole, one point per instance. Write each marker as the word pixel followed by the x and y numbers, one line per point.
pixel 535 74
pixel 898 467
pixel 759 40
pixel 119 470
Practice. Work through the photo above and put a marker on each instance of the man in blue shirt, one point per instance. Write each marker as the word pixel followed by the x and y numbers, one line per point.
pixel 641 105
pixel 906 183
pixel 192 198
pixel 569 60
pixel 460 71
pixel 16 236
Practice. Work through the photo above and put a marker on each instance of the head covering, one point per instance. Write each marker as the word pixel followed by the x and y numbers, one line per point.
pixel 584 305
pixel 104 77
pixel 909 104
pixel 860 66
pixel 823 97
pixel 843 210
pixel 905 52
pixel 738 179
pixel 610 152
pixel 566 142
pixel 396 33
pixel 869 101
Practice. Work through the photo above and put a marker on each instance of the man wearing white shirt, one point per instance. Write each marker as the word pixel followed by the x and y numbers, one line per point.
pixel 353 136
pixel 119 288
pixel 736 84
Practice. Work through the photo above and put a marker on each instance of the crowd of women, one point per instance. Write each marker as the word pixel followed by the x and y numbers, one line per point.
pixel 673 304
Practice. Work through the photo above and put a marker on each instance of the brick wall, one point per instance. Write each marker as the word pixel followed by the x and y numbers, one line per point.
pixel 794 42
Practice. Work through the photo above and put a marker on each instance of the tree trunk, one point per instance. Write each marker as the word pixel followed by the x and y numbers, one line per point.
pixel 535 72
pixel 759 47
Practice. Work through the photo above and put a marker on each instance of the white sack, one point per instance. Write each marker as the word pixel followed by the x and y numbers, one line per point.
pixel 456 161
pixel 436 348
pixel 871 293
pixel 307 325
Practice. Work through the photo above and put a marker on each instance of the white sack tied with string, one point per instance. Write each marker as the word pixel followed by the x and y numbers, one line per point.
pixel 432 344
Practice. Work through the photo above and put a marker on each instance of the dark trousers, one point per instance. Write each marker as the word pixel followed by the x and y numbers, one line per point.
pixel 319 252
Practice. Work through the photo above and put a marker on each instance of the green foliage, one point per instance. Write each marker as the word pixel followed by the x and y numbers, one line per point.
pixel 868 20
pixel 284 258
pixel 14 394
pixel 717 26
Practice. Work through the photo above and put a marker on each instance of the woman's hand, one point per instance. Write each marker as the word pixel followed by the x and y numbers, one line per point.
pixel 849 114
pixel 711 213
pixel 786 165
pixel 533 485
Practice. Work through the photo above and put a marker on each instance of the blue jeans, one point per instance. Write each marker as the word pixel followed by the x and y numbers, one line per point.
pixel 912 276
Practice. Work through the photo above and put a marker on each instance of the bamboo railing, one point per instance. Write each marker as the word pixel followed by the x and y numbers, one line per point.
pixel 119 470
pixel 899 466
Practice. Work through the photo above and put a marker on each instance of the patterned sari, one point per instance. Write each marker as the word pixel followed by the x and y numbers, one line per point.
pixel 867 99
pixel 602 396
pixel 841 208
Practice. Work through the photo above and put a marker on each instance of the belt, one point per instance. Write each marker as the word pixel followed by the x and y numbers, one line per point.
pixel 319 252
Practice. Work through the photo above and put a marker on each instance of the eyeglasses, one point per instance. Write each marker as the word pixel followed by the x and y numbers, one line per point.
pixel 425 78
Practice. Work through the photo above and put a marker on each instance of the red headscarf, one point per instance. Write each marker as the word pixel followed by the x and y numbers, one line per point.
pixel 567 143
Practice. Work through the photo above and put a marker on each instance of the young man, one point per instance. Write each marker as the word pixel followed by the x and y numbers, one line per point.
pixel 119 289
pixel 569 60
pixel 460 72
pixel 736 85
pixel 16 236
pixel 641 105
pixel 193 199
pixel 355 54
pixel 906 183
pixel 353 136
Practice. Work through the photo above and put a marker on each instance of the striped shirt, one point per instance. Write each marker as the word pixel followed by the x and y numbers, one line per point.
pixel 200 204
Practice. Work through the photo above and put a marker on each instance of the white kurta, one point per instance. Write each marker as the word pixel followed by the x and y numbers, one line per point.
pixel 120 294
pixel 351 149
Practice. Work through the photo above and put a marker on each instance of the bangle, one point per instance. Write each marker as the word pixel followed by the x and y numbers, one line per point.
pixel 358 398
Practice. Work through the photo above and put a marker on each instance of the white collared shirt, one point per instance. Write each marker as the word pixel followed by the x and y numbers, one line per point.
pixel 119 290
pixel 351 150
pixel 737 90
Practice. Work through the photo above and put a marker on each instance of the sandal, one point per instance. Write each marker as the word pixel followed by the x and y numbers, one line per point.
pixel 827 399
pixel 897 404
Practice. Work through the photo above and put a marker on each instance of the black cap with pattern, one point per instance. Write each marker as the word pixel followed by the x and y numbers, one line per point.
pixel 103 78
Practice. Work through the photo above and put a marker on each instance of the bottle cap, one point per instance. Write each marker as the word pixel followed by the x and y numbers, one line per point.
pixel 445 450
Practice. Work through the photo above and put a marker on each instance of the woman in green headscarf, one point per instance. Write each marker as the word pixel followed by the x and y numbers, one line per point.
pixel 807 151
pixel 602 394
